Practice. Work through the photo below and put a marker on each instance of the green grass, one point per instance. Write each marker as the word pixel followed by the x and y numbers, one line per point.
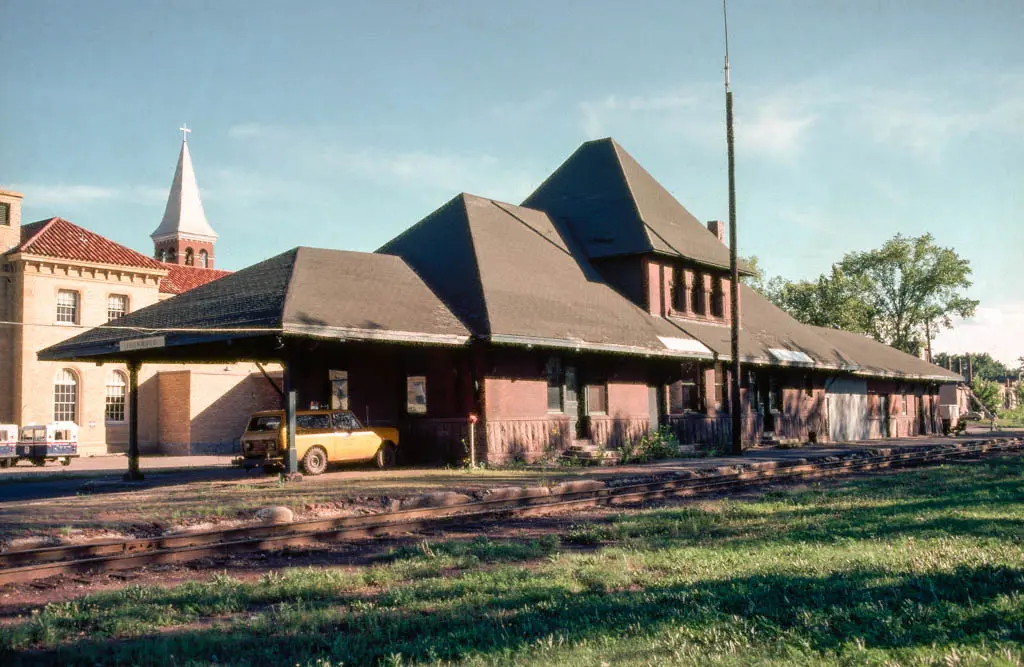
pixel 1011 418
pixel 924 567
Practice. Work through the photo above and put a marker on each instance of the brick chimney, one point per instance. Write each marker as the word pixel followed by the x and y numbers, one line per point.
pixel 10 220
pixel 717 227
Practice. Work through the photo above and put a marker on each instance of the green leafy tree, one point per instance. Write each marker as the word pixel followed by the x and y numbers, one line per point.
pixel 982 363
pixel 834 300
pixel 911 287
pixel 987 392
pixel 900 294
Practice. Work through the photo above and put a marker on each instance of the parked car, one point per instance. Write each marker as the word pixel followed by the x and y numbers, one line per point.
pixel 972 415
pixel 8 444
pixel 55 441
pixel 321 437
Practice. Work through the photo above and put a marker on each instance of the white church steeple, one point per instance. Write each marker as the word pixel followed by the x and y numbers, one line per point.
pixel 184 236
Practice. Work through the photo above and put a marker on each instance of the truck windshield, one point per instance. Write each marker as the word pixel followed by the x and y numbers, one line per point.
pixel 36 433
pixel 267 423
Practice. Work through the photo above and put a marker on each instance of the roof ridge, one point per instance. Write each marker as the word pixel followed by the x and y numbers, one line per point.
pixel 475 256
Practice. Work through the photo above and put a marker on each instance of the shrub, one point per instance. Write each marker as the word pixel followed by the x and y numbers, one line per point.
pixel 660 444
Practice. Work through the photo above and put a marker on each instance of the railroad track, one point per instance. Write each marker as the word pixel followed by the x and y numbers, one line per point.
pixel 27 565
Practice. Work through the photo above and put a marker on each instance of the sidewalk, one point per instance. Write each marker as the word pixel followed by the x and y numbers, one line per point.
pixel 99 466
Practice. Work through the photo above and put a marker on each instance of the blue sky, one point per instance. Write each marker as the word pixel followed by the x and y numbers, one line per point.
pixel 338 124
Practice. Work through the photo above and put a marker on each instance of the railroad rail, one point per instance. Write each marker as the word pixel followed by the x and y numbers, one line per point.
pixel 31 564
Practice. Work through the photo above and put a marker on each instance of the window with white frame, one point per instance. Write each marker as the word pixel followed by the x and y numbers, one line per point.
pixel 204 259
pixel 65 396
pixel 117 306
pixel 117 391
pixel 416 394
pixel 67 306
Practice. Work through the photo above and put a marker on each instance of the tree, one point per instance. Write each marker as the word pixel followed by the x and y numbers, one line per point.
pixel 900 294
pixel 987 392
pixel 911 287
pixel 830 301
pixel 981 363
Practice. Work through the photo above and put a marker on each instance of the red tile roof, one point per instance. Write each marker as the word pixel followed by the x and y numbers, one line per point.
pixel 182 278
pixel 61 239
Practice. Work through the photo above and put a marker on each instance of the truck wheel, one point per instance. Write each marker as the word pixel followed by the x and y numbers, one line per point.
pixel 386 455
pixel 4 463
pixel 315 460
pixel 66 461
pixel 39 461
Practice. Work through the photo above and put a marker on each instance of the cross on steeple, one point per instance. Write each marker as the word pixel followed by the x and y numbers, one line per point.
pixel 184 131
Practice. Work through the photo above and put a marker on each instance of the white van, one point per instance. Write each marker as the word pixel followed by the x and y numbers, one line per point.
pixel 40 443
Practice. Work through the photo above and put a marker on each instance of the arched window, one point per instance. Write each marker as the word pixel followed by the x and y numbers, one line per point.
pixel 117 390
pixel 65 396
pixel 172 256
pixel 204 259
pixel 162 255
pixel 189 257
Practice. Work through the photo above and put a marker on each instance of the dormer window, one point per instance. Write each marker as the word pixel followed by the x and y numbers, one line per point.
pixel 697 294
pixel 717 297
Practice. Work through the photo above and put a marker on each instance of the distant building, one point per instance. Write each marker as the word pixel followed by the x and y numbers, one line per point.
pixel 596 310
pixel 57 279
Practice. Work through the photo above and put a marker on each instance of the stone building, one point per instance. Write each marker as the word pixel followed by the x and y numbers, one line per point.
pixel 593 312
pixel 58 279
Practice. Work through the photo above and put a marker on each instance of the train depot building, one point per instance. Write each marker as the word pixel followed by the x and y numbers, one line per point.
pixel 595 311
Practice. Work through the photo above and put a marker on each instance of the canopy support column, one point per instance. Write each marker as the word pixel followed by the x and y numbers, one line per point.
pixel 133 474
pixel 291 455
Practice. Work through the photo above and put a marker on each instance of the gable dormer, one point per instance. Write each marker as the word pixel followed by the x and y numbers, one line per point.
pixel 638 236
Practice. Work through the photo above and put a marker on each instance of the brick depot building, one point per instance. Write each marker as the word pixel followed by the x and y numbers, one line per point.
pixel 596 310
pixel 57 278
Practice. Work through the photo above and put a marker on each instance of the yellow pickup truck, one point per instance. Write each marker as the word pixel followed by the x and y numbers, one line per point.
pixel 321 437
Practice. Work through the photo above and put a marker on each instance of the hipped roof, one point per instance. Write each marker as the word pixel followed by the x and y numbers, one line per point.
pixel 304 291
pixel 511 277
pixel 615 207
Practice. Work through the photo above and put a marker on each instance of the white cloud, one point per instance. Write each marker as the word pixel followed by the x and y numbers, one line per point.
pixel 778 128
pixel 994 329
pixel 61 194
pixel 321 150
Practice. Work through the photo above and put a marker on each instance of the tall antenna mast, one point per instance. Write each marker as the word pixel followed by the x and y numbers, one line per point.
pixel 734 271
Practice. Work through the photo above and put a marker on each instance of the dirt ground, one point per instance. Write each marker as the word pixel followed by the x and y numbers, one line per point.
pixel 40 513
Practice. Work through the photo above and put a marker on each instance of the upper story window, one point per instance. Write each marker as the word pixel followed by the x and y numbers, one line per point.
pixel 204 259
pixel 697 294
pixel 117 306
pixel 717 297
pixel 172 256
pixel 190 258
pixel 67 306
pixel 5 214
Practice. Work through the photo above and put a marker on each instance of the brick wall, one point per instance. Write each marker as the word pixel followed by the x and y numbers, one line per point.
pixel 174 423
pixel 36 283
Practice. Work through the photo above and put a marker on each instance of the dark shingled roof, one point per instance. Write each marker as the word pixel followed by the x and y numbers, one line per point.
pixel 305 291
pixel 512 277
pixel 615 207
pixel 874 358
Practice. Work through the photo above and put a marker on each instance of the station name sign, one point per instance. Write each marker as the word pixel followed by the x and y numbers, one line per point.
pixel 141 343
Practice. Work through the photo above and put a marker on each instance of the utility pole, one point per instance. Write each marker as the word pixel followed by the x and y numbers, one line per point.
pixel 734 270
